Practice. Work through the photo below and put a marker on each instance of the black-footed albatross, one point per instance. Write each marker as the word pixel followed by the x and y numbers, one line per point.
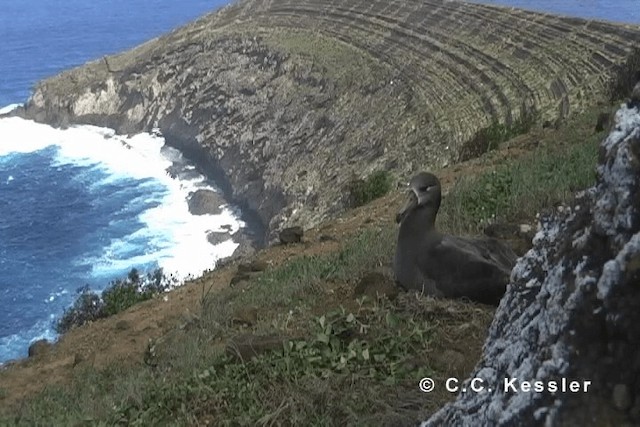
pixel 444 265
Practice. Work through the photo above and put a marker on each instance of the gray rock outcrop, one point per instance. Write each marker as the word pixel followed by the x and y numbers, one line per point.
pixel 205 202
pixel 571 310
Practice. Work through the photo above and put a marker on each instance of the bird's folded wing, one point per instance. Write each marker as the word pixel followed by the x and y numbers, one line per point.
pixel 474 256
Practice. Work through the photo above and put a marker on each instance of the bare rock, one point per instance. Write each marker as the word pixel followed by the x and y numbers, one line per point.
pixel 291 235
pixel 205 202
pixel 40 348
pixel 217 237
pixel 285 134
pixel 571 309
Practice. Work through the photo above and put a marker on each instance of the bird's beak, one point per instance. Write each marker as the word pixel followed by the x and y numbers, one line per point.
pixel 408 207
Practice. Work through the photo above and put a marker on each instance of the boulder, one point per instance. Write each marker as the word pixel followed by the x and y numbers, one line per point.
pixel 252 266
pixel 217 237
pixel 291 235
pixel 39 348
pixel 570 313
pixel 205 202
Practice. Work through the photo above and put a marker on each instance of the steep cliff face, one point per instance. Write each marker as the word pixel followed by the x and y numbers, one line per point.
pixel 284 102
pixel 571 310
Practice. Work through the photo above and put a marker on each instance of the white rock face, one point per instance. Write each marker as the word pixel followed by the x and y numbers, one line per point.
pixel 571 310
pixel 105 101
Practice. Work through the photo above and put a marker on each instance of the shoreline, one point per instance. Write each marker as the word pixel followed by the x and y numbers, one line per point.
pixel 185 174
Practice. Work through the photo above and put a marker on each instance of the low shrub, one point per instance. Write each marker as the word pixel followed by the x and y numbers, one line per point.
pixel 490 137
pixel 375 185
pixel 118 296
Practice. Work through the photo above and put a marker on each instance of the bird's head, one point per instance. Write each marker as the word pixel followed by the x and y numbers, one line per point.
pixel 424 192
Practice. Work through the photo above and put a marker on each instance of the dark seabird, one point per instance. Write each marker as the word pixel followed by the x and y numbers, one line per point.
pixel 443 265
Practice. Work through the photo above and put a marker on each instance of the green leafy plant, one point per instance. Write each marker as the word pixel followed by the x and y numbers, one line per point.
pixel 375 185
pixel 118 296
pixel 490 137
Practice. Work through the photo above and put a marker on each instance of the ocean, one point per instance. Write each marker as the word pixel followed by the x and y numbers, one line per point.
pixel 82 206
pixel 625 11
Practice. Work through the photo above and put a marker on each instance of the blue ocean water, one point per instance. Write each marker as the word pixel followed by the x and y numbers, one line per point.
pixel 625 11
pixel 82 205
pixel 78 206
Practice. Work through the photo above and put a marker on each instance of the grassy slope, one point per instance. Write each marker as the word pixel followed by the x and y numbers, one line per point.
pixel 361 358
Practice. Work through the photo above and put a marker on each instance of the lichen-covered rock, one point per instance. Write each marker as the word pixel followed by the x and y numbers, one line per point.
pixel 571 310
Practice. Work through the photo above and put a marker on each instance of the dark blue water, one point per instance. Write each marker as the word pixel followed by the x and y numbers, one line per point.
pixel 625 11
pixel 44 237
pixel 70 217
pixel 75 207
pixel 39 38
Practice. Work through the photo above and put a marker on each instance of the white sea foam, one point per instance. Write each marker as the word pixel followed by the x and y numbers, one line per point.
pixel 14 346
pixel 177 239
pixel 9 108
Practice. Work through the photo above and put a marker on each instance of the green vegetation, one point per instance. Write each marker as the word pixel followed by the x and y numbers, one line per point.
pixel 352 362
pixel 490 137
pixel 342 361
pixel 516 190
pixel 374 186
pixel 118 296
pixel 333 60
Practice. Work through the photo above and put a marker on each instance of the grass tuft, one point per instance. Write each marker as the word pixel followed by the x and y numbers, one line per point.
pixel 490 137
pixel 374 186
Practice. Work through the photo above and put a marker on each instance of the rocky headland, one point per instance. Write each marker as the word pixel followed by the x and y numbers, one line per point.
pixel 285 103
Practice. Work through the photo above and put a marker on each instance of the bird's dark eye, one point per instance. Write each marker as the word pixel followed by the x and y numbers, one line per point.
pixel 423 188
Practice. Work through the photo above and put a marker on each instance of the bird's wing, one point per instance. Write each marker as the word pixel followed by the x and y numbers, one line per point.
pixel 464 268
pixel 461 258
pixel 495 251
